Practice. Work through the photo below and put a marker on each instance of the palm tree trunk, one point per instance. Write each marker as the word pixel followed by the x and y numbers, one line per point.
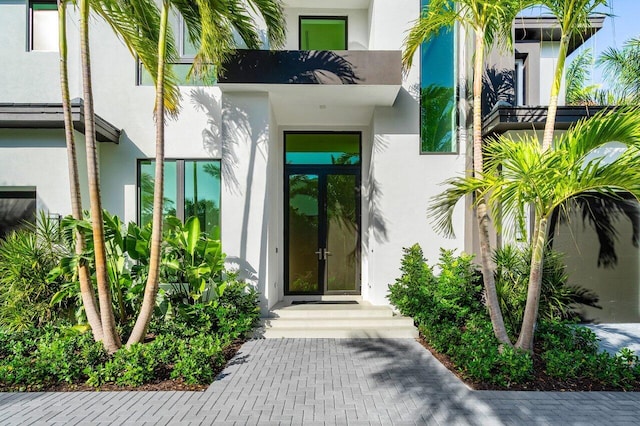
pixel 525 339
pixel 550 124
pixel 151 289
pixel 86 287
pixel 497 320
pixel 111 340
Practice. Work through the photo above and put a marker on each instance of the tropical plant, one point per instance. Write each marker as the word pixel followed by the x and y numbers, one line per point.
pixel 522 173
pixel 577 74
pixel 26 257
pixel 491 22
pixel 192 262
pixel 558 300
pixel 623 67
pixel 210 25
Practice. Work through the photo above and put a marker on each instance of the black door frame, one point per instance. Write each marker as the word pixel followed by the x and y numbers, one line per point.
pixel 322 170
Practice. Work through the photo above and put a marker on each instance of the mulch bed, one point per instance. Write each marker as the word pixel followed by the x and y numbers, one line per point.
pixel 540 381
pixel 159 385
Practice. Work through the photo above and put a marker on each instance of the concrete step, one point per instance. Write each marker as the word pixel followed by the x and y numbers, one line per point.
pixel 311 311
pixel 341 333
pixel 336 322
pixel 361 320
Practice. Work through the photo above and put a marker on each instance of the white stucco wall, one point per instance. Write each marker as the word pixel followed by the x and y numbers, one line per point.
pixel 37 159
pixel 245 191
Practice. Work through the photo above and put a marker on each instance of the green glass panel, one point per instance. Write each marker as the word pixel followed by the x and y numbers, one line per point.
pixel 182 72
pixel 147 173
pixel 44 6
pixel 303 234
pixel 342 259
pixel 437 92
pixel 322 148
pixel 323 34
pixel 202 194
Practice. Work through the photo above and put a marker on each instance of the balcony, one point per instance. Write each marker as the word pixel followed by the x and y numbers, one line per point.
pixel 505 119
pixel 362 77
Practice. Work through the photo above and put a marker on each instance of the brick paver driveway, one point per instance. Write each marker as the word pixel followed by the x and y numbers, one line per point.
pixel 326 381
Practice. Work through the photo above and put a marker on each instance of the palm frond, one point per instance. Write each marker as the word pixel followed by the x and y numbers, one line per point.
pixel 137 22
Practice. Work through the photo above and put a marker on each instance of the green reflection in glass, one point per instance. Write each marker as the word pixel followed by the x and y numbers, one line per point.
pixel 322 148
pixel 342 233
pixel 202 194
pixel 437 92
pixel 323 33
pixel 182 77
pixel 147 179
pixel 303 234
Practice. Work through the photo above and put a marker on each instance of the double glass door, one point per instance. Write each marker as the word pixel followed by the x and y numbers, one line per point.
pixel 322 226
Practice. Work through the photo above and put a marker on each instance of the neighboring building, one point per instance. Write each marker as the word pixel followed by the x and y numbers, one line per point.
pixel 313 164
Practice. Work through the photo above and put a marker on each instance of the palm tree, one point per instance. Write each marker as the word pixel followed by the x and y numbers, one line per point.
pixel 491 22
pixel 521 173
pixel 110 337
pixel 623 65
pixel 86 286
pixel 573 17
pixel 210 24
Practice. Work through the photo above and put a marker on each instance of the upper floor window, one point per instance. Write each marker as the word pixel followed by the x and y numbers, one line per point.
pixel 438 93
pixel 323 33
pixel 518 81
pixel 187 51
pixel 43 25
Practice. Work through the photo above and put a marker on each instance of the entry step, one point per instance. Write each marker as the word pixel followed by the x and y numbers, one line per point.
pixel 361 320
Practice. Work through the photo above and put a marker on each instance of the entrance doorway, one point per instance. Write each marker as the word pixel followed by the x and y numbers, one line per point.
pixel 322 213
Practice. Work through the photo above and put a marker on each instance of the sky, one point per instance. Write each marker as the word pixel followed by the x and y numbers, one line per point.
pixel 622 25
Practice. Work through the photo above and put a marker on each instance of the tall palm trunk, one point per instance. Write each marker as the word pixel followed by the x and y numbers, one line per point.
pixel 151 290
pixel 86 287
pixel 110 337
pixel 527 331
pixel 550 124
pixel 497 320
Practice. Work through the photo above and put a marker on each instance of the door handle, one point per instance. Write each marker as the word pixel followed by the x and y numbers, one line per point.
pixel 322 254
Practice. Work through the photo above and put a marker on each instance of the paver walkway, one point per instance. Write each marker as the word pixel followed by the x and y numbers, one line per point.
pixel 326 381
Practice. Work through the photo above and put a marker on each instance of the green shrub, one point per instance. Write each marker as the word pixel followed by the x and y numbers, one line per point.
pixel 558 300
pixel 198 358
pixel 26 258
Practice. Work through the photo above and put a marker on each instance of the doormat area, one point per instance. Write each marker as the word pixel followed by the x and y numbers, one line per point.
pixel 324 302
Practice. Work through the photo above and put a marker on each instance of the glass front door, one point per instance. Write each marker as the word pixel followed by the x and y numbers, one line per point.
pixel 322 230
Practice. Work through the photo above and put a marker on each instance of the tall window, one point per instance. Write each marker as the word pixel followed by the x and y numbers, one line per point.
pixel 519 81
pixel 17 207
pixel 191 188
pixel 438 93
pixel 323 33
pixel 43 25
